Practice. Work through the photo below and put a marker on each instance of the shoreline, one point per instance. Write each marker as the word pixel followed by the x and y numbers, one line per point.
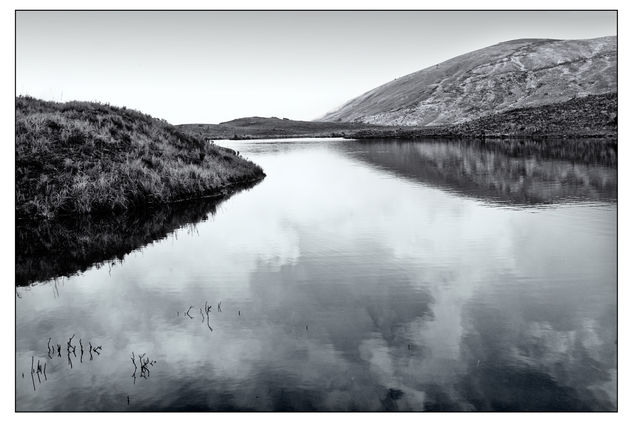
pixel 223 192
pixel 593 116
pixel 423 134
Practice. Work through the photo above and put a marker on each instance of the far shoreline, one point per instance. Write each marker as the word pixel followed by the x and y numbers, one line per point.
pixel 593 116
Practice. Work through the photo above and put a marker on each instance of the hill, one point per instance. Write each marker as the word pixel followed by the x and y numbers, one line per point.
pixel 271 127
pixel 82 157
pixel 514 74
pixel 593 116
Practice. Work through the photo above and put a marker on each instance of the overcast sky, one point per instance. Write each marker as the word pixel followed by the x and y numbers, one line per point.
pixel 209 67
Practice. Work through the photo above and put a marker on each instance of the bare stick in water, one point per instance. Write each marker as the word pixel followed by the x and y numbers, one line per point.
pixel 32 370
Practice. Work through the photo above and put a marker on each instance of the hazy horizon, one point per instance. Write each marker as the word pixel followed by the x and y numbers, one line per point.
pixel 214 66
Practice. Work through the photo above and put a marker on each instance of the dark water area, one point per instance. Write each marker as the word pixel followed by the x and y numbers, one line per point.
pixel 358 275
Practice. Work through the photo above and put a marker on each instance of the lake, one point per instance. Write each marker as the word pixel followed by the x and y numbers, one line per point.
pixel 374 275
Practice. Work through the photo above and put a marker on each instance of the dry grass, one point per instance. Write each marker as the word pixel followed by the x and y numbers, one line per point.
pixel 81 157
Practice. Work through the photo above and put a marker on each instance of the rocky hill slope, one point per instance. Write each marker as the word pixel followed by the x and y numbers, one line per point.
pixel 514 74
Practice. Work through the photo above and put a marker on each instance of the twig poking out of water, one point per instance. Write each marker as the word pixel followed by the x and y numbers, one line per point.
pixel 144 368
pixel 207 309
pixel 81 349
pixel 32 372
pixel 97 350
pixel 39 371
pixel 145 363
pixel 90 350
pixel 48 345
pixel 220 306
pixel 238 312
pixel 70 347
pixel 202 315
pixel 187 313
pixel 59 350
pixel 45 378
pixel 135 368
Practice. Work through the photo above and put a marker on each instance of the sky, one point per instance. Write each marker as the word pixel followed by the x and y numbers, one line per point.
pixel 214 66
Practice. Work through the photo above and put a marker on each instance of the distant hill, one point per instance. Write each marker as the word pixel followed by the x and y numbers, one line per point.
pixel 271 127
pixel 514 74
pixel 593 116
pixel 82 157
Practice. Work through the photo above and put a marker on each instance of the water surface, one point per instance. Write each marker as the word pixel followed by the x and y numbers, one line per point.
pixel 355 276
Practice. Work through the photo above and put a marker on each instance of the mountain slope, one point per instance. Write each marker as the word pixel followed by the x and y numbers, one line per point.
pixel 518 73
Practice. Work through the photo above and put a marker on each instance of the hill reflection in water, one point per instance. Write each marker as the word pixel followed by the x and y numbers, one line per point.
pixel 501 172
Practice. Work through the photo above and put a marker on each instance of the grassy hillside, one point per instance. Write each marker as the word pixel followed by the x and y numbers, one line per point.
pixel 81 157
pixel 594 116
pixel 271 127
pixel 518 73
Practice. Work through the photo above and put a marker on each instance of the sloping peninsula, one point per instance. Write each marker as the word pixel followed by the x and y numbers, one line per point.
pixel 83 157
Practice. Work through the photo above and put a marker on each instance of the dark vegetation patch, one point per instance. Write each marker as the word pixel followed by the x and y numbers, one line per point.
pixel 82 157
pixel 591 116
pixel 594 116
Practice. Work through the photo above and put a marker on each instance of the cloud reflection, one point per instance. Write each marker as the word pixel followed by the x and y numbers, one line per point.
pixel 365 292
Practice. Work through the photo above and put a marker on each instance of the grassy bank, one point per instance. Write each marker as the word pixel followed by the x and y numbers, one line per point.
pixel 81 157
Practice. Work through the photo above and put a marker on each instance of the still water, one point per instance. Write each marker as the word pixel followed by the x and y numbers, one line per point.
pixel 355 276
